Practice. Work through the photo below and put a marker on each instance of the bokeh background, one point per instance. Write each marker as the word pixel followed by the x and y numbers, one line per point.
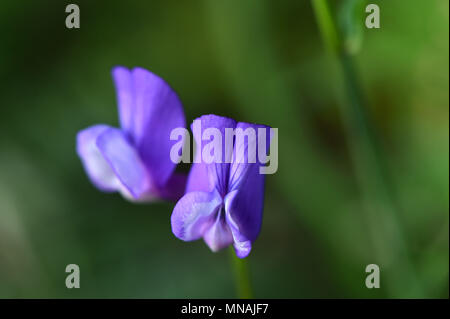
pixel 262 61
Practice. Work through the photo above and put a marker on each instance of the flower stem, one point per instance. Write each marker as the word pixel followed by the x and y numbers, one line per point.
pixel 385 229
pixel 241 275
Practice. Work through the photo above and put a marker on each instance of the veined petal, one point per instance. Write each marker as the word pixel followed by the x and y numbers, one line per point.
pixel 125 162
pixel 194 213
pixel 244 202
pixel 158 111
pixel 123 82
pixel 97 168
pixel 245 205
pixel 203 175
pixel 242 245
pixel 245 152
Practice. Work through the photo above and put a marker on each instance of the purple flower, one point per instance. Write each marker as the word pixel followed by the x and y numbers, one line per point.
pixel 135 159
pixel 224 201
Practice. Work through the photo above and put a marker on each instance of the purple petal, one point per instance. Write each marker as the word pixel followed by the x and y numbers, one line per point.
pixel 194 214
pixel 243 163
pixel 242 248
pixel 175 187
pixel 158 111
pixel 218 235
pixel 97 168
pixel 245 201
pixel 125 162
pixel 198 179
pixel 218 173
pixel 123 82
pixel 242 245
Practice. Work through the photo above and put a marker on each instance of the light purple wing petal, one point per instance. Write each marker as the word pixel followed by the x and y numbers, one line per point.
pixel 97 168
pixel 194 214
pixel 158 111
pixel 123 82
pixel 218 173
pixel 125 162
pixel 245 200
pixel 218 235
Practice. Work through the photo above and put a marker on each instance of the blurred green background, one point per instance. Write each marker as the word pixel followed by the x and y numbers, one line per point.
pixel 256 61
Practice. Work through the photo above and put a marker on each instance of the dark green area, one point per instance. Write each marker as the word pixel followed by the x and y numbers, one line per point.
pixel 256 61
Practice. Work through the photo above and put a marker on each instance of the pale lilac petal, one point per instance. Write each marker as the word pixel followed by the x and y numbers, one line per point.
pixel 97 168
pixel 158 111
pixel 218 235
pixel 218 173
pixel 194 213
pixel 123 82
pixel 242 248
pixel 125 162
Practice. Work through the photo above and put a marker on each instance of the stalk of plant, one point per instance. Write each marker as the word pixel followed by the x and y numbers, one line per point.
pixel 387 236
pixel 241 275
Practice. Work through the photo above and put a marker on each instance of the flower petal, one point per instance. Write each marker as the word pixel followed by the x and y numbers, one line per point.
pixel 218 173
pixel 194 214
pixel 244 162
pixel 158 111
pixel 125 162
pixel 245 201
pixel 97 168
pixel 198 179
pixel 242 245
pixel 175 187
pixel 218 235
pixel 123 82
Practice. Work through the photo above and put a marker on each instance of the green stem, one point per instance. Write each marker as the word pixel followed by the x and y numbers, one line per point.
pixel 241 275
pixel 387 236
pixel 326 24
